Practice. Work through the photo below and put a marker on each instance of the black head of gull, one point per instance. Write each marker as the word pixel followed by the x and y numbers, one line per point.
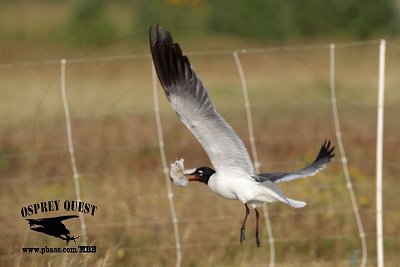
pixel 201 174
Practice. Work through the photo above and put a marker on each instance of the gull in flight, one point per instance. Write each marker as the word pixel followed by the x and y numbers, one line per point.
pixel 233 175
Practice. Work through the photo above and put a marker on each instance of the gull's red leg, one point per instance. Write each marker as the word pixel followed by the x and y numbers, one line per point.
pixel 243 229
pixel 257 232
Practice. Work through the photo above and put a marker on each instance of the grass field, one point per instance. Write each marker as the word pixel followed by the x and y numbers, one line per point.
pixel 116 144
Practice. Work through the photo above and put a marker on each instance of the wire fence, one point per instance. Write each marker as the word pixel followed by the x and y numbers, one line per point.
pixel 175 221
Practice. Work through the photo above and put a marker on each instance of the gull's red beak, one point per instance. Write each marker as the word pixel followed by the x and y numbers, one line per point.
pixel 192 175
pixel 193 178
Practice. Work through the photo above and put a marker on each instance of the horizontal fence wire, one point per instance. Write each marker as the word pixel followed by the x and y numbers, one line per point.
pixel 193 53
pixel 128 147
pixel 40 180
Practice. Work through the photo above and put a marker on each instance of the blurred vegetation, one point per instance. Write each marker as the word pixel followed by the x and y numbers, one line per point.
pixel 279 20
pixel 173 13
pixel 94 22
pixel 88 23
pixel 274 19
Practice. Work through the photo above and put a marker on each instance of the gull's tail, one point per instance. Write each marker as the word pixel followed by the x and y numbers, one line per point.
pixel 296 203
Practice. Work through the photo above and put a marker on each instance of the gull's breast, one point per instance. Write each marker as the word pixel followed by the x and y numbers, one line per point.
pixel 242 188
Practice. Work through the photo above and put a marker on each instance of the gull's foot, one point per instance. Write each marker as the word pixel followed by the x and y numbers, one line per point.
pixel 258 240
pixel 242 235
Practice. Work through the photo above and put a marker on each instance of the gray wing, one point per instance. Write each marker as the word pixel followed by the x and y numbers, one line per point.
pixel 190 100
pixel 324 156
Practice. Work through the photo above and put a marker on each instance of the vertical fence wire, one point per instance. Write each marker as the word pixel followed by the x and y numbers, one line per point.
pixel 165 169
pixel 343 158
pixel 71 148
pixel 254 153
pixel 379 153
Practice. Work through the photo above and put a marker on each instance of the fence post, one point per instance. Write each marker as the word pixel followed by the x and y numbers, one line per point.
pixel 165 169
pixel 254 152
pixel 343 158
pixel 379 153
pixel 71 148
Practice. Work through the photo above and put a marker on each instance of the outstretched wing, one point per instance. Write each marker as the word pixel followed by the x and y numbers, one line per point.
pixel 325 156
pixel 190 100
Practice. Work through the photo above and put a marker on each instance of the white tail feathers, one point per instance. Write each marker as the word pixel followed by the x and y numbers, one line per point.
pixel 296 203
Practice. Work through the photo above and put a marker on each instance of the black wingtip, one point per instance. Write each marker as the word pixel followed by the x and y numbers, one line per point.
pixel 160 51
pixel 160 36
pixel 326 151
pixel 152 34
pixel 171 65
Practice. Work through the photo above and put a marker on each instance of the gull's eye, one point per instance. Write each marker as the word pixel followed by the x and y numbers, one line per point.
pixel 200 172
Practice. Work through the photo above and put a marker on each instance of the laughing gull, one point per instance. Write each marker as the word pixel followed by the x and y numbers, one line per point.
pixel 233 176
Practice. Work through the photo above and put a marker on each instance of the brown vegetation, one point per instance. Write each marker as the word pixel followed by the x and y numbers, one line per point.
pixel 118 158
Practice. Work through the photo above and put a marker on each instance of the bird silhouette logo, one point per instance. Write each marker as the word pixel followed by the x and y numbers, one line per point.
pixel 53 226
